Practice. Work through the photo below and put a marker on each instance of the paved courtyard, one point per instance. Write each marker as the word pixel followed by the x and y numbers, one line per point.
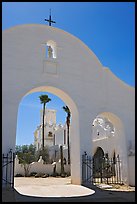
pixel 50 187
pixel 53 189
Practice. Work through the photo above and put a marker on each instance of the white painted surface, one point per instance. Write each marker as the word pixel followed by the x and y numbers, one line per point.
pixel 131 160
pixel 39 167
pixel 75 75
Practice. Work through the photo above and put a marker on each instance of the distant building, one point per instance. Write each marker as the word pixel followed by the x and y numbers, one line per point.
pixel 54 134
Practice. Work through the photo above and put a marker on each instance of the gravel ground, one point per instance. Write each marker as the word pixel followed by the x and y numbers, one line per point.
pixel 118 187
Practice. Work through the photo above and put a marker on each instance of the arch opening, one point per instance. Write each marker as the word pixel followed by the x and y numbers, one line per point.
pixel 108 134
pixel 74 130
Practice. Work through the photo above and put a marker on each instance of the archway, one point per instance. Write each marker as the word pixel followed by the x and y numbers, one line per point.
pixel 74 131
pixel 108 133
pixel 98 163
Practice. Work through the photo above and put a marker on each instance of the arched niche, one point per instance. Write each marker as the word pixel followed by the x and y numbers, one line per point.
pixel 51 49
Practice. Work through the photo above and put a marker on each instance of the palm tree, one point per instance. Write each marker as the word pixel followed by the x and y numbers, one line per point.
pixel 66 109
pixel 44 99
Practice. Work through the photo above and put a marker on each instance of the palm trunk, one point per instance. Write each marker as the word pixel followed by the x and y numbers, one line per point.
pixel 43 127
pixel 68 144
pixel 61 156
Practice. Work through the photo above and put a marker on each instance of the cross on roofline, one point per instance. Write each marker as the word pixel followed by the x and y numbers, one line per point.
pixel 49 20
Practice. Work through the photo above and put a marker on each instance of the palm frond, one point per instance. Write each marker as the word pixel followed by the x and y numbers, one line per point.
pixel 66 109
pixel 44 98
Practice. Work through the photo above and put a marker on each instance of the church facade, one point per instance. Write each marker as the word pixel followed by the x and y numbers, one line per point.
pixel 54 134
pixel 102 106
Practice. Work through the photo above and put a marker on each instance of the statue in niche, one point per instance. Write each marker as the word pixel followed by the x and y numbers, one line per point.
pixel 50 52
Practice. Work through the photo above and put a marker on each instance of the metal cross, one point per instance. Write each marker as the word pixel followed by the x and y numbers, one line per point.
pixel 49 20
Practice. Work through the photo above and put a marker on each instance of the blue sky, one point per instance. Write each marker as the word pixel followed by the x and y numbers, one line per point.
pixel 29 115
pixel 107 28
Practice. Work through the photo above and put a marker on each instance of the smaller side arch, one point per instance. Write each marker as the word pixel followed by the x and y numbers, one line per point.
pixel 116 141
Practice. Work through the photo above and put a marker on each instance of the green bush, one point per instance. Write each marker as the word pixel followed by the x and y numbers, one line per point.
pixel 33 173
pixel 18 175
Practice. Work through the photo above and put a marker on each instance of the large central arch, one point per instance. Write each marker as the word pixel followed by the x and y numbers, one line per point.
pixel 74 134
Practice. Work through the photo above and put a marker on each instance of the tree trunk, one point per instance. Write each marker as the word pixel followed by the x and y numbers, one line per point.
pixel 62 164
pixel 43 127
pixel 26 169
pixel 68 144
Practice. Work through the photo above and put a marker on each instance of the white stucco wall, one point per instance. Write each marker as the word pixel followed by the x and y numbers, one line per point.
pixel 131 163
pixel 76 76
pixel 59 135
pixel 40 167
pixel 50 116
pixel 56 150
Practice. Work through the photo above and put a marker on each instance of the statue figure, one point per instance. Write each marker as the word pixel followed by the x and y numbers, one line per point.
pixel 50 52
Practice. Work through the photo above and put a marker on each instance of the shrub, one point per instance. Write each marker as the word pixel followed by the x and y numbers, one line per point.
pixel 18 175
pixel 45 176
pixel 39 175
pixel 33 173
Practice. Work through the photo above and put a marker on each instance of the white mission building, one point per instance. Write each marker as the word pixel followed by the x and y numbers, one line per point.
pixel 54 134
